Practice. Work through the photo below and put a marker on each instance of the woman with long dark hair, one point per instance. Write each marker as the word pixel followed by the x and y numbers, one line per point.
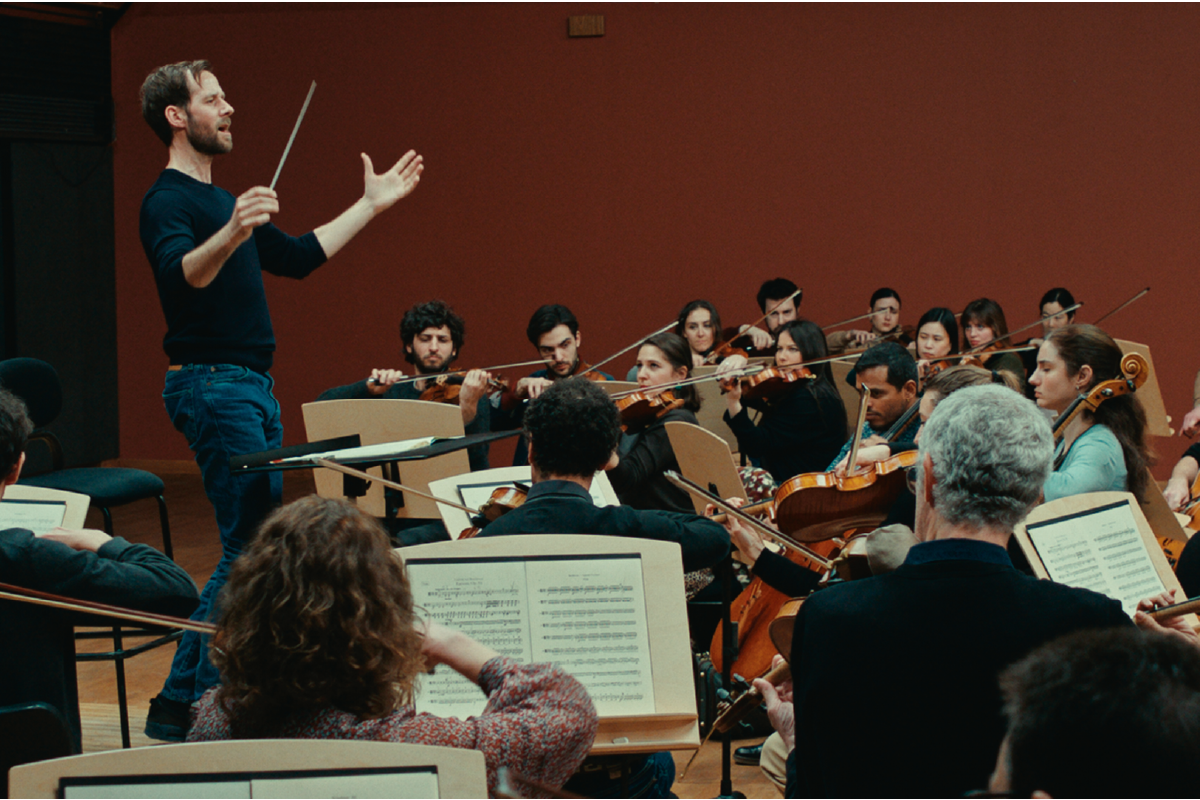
pixel 937 338
pixel 317 638
pixel 803 426
pixel 1100 451
pixel 645 451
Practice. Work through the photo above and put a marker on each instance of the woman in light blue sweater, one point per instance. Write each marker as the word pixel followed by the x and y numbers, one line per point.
pixel 1100 451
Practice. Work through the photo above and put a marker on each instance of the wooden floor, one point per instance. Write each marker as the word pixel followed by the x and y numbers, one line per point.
pixel 194 535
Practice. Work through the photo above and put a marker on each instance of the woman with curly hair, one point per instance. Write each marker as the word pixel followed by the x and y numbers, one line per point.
pixel 317 639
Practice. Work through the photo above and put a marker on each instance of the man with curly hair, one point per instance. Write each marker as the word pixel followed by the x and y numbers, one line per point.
pixel 573 428
pixel 432 335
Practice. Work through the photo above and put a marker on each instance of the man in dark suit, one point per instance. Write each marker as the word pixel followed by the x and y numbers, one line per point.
pixel 906 663
pixel 573 428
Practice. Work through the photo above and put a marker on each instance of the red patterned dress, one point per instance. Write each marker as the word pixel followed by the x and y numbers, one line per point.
pixel 539 721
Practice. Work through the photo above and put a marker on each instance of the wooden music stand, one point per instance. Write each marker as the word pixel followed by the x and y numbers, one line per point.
pixel 1158 422
pixel 460 772
pixel 75 504
pixel 384 420
pixel 1083 538
pixel 849 394
pixel 1163 521
pixel 673 725
pixel 704 457
pixel 451 488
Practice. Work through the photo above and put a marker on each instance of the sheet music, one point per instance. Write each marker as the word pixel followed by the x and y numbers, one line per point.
pixel 1101 550
pixel 588 615
pixel 39 516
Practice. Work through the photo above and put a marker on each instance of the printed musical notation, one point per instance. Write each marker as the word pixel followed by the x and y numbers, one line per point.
pixel 1101 549
pixel 587 615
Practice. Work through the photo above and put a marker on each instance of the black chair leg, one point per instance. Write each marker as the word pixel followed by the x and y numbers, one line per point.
pixel 108 528
pixel 122 698
pixel 166 528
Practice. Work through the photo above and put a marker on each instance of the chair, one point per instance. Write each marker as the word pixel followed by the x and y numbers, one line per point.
pixel 31 732
pixel 308 766
pixel 36 382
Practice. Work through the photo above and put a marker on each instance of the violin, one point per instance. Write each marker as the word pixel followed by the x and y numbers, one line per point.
pixel 643 407
pixel 591 373
pixel 772 381
pixel 733 334
pixel 503 500
pixel 446 388
pixel 723 351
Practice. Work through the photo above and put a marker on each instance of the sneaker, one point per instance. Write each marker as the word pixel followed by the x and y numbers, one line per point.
pixel 748 756
pixel 168 720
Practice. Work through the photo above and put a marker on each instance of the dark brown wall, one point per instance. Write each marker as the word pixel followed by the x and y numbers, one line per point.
pixel 951 152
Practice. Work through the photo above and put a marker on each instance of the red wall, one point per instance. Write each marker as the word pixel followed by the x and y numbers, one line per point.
pixel 693 151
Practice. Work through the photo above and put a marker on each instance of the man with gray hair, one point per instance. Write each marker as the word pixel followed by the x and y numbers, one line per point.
pixel 909 660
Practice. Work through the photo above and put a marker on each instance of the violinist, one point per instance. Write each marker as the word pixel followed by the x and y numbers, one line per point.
pixel 573 430
pixel 432 335
pixel 554 331
pixel 1053 316
pixel 645 450
pixel 1106 451
pixel 39 659
pixel 937 339
pixel 779 300
pixel 983 323
pixel 1177 494
pixel 888 374
pixel 700 324
pixel 885 322
pixel 802 426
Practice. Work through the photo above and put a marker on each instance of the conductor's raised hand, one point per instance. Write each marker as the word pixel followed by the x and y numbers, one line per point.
pixel 383 190
pixel 253 208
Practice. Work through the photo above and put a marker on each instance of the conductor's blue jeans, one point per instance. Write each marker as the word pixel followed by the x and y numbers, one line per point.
pixel 223 410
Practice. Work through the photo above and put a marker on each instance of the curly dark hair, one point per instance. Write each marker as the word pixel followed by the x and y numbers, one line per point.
pixel 317 612
pixel 901 368
pixel 547 318
pixel 573 428
pixel 433 314
pixel 1123 415
pixel 168 86
pixel 15 427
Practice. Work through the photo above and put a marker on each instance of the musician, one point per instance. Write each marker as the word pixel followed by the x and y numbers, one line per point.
pixel 885 321
pixel 1052 309
pixel 700 324
pixel 432 334
pixel 645 452
pixel 776 297
pixel 573 430
pixel 937 338
pixel 982 323
pixel 1101 714
pixel 554 331
pixel 319 640
pixel 1177 494
pixel 39 660
pixel 888 374
pixel 930 637
pixel 1104 451
pixel 801 427
pixel 208 250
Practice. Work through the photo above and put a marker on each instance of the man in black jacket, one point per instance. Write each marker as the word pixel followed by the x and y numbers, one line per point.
pixel 39 642
pixel 908 661
pixel 573 428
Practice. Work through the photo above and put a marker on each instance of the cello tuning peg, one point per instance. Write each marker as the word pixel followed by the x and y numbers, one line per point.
pixel 740 682
pixel 723 694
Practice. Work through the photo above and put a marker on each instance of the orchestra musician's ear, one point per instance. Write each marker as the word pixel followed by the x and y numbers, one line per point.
pixel 16 473
pixel 909 390
pixel 927 479
pixel 176 117
pixel 1083 378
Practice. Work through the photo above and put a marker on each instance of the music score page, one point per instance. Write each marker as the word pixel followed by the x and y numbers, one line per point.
pixel 587 615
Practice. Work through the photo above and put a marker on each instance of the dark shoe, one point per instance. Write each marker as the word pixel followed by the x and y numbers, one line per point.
pixel 749 756
pixel 169 720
